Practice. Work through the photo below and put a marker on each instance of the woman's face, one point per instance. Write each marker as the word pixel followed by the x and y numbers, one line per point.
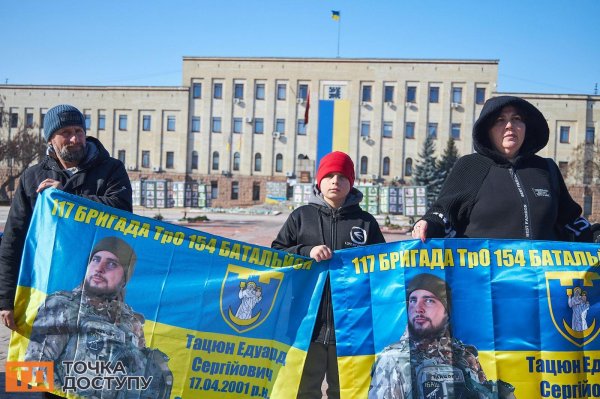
pixel 508 132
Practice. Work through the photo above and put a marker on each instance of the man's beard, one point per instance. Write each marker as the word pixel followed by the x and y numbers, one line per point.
pixel 72 154
pixel 427 333
pixel 98 291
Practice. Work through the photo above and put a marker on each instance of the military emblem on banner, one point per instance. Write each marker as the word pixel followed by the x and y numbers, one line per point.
pixel 247 296
pixel 574 302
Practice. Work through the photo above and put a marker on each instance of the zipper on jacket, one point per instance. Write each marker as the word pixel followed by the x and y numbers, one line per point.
pixel 526 214
pixel 328 303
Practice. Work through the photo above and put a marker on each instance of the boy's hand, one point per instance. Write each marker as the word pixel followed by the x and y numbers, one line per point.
pixel 320 252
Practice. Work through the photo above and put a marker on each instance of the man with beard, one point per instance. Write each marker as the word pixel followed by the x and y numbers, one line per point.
pixel 93 325
pixel 427 362
pixel 73 163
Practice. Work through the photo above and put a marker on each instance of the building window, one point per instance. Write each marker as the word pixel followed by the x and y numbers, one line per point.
pixel 88 121
pixel 590 134
pixel 411 94
pixel 170 160
pixel 281 91
pixel 564 134
pixel 236 161
pixel 280 126
pixel 409 130
pixel 215 160
pixel 364 165
pixel 216 125
pixel 365 129
pixel 303 91
pixel 388 94
pixel 170 123
pixel 101 122
pixel 214 189
pixel 29 120
pixel 408 167
pixel 235 190
pixel 432 130
pixel 14 120
pixel 455 131
pixel 480 95
pixel 194 159
pixel 300 128
pixel 457 95
pixel 121 156
pixel 434 94
pixel 386 166
pixel 257 162
pixel 145 159
pixel 238 91
pixel 197 90
pixel 366 93
pixel 146 123
pixel 256 191
pixel 122 122
pixel 42 117
pixel 237 125
pixel 218 91
pixel 259 126
pixel 388 129
pixel 279 163
pixel 196 124
pixel 260 91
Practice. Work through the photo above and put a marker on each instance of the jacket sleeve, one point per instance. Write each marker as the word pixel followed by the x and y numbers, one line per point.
pixel 571 224
pixel 13 241
pixel 449 214
pixel 287 238
pixel 118 193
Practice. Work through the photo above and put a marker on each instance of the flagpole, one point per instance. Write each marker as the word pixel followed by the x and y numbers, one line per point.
pixel 338 43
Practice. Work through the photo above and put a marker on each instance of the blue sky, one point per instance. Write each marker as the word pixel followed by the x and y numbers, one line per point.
pixel 543 46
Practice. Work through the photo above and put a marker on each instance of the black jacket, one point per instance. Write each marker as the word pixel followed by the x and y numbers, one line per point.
pixel 319 224
pixel 488 196
pixel 100 178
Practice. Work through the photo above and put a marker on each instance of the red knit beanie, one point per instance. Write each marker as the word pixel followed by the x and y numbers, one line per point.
pixel 336 162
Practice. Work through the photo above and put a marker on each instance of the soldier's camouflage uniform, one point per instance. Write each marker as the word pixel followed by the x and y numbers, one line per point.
pixel 71 326
pixel 441 368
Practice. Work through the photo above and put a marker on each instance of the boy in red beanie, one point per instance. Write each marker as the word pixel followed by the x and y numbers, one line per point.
pixel 332 220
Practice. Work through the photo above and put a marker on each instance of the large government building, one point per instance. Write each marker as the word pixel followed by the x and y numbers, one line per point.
pixel 235 124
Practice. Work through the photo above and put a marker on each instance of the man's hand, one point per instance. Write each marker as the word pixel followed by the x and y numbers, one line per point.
pixel 320 252
pixel 8 319
pixel 49 183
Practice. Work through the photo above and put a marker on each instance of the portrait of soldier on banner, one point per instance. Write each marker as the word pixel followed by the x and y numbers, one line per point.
pixel 91 334
pixel 428 362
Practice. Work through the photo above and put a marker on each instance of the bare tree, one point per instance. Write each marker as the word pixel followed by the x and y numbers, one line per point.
pixel 584 167
pixel 18 150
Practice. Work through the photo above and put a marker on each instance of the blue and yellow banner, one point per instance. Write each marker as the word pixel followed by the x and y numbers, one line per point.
pixel 194 315
pixel 201 316
pixel 334 127
pixel 518 318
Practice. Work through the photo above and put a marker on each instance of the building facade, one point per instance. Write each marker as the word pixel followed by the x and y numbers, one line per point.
pixel 237 123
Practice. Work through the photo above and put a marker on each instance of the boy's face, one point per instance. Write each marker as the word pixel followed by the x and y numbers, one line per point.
pixel 335 188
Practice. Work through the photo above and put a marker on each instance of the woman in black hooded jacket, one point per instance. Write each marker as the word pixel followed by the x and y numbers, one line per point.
pixel 504 190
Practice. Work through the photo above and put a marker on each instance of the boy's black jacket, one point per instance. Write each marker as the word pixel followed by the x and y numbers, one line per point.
pixel 317 224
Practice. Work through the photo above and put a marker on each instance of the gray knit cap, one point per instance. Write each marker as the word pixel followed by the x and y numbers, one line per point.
pixel 62 115
pixel 121 250
pixel 433 284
